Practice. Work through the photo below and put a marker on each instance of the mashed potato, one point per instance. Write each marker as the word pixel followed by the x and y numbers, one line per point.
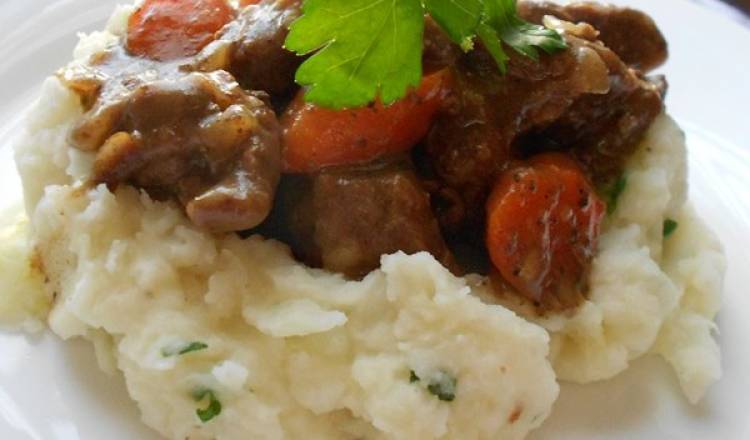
pixel 197 322
pixel 288 350
pixel 23 302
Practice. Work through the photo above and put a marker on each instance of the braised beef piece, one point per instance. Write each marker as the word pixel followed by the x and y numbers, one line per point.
pixel 583 99
pixel 195 137
pixel 603 147
pixel 251 47
pixel 345 219
pixel 631 34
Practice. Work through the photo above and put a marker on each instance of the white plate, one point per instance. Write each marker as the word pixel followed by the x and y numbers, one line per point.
pixel 53 390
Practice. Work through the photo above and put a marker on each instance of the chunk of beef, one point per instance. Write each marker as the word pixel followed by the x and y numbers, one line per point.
pixel 251 47
pixel 619 123
pixel 583 99
pixel 630 33
pixel 344 220
pixel 195 137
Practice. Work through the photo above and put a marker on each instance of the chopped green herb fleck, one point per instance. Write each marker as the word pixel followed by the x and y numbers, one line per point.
pixel 669 227
pixel 183 349
pixel 413 377
pixel 614 193
pixel 214 406
pixel 444 387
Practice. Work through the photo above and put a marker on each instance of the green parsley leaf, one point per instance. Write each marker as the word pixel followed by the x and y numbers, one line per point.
pixel 502 18
pixel 459 19
pixel 443 387
pixel 183 349
pixel 614 193
pixel 366 49
pixel 495 22
pixel 214 406
pixel 670 226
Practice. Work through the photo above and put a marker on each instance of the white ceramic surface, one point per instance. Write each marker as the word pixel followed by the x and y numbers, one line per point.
pixel 53 390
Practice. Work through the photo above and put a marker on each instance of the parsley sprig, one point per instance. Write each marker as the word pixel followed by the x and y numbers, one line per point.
pixel 372 49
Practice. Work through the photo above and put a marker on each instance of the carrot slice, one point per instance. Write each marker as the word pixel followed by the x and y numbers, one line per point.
pixel 170 29
pixel 316 137
pixel 543 223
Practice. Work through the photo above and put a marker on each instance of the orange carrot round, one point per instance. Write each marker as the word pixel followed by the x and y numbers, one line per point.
pixel 170 29
pixel 543 223
pixel 316 137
